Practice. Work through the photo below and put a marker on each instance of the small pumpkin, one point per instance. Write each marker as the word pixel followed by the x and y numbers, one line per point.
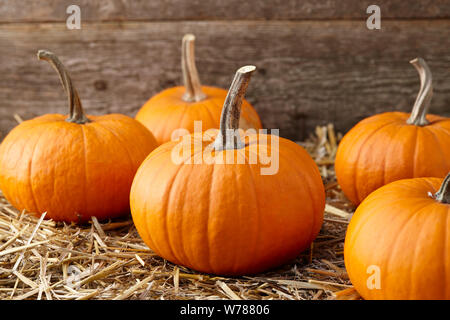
pixel 178 107
pixel 397 242
pixel 228 218
pixel 73 167
pixel 394 145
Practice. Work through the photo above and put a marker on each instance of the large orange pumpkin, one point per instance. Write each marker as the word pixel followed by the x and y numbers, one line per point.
pixel 398 242
pixel 76 167
pixel 178 107
pixel 228 217
pixel 394 145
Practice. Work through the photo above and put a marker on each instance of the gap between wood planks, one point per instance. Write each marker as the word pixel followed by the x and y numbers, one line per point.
pixel 274 21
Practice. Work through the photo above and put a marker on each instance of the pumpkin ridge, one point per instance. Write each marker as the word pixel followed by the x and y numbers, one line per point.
pixel 163 128
pixel 396 242
pixel 181 234
pixel 208 218
pixel 316 212
pixel 157 130
pixel 209 111
pixel 30 167
pixel 308 190
pixel 251 151
pixel 361 225
pixel 258 208
pixel 122 143
pixel 180 122
pixel 32 123
pixel 13 195
pixel 85 142
pixel 362 222
pixel 257 140
pixel 442 124
pixel 314 209
pixel 431 186
pixel 355 167
pixel 443 129
pixel 415 154
pixel 365 219
pixel 387 155
pixel 352 190
pixel 445 254
pixel 239 218
pixel 165 212
pixel 160 152
pixel 146 231
pixel 242 214
pixel 442 214
pixel 438 142
pixel 415 254
pixel 217 104
pixel 186 109
pixel 384 118
pixel 436 119
pixel 384 165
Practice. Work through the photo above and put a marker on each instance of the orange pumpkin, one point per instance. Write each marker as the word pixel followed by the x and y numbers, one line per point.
pixel 228 217
pixel 394 145
pixel 178 107
pixel 76 167
pixel 397 243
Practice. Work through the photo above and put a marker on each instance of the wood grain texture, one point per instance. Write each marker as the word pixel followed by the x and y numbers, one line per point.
pixel 113 10
pixel 309 73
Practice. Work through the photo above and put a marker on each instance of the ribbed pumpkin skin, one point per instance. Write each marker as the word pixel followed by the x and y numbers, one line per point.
pixel 166 112
pixel 73 171
pixel 383 148
pixel 405 232
pixel 228 219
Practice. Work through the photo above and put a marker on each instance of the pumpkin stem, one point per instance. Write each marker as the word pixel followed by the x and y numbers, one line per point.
pixel 419 111
pixel 228 136
pixel 443 195
pixel 76 112
pixel 190 75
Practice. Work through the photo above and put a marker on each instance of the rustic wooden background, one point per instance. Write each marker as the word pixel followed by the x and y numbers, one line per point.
pixel 317 62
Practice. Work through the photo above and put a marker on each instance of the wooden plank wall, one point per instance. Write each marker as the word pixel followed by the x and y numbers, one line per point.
pixel 317 62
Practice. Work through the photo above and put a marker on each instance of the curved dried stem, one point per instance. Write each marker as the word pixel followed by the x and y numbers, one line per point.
pixel 76 112
pixel 190 75
pixel 420 109
pixel 443 195
pixel 228 136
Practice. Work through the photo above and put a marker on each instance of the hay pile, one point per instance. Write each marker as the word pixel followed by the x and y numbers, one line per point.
pixel 41 259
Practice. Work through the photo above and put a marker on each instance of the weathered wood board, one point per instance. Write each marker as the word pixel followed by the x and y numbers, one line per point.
pixel 309 72
pixel 170 10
